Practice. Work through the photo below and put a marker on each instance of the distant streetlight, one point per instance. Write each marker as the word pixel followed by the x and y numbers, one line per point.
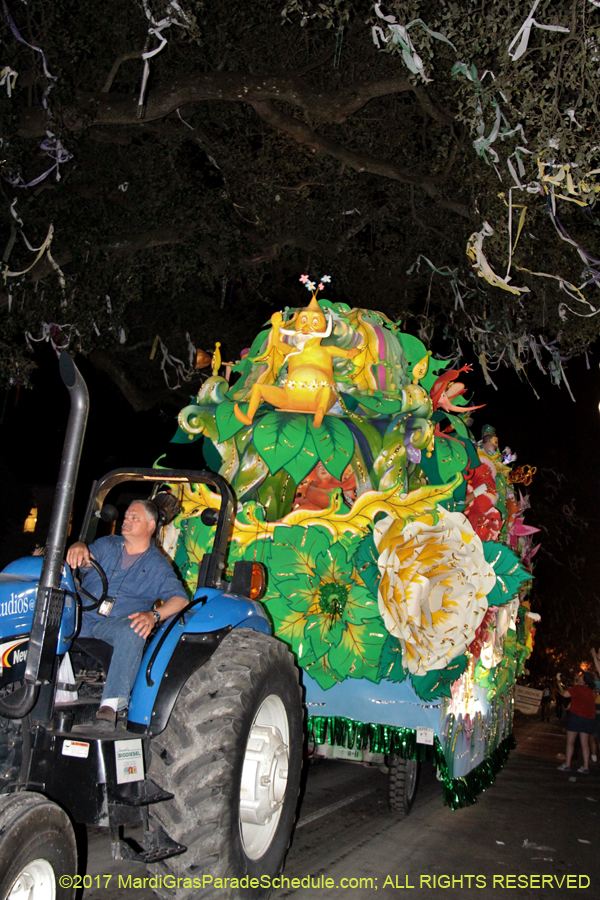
pixel 30 521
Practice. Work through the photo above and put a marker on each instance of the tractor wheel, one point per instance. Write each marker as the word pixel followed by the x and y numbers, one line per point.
pixel 38 854
pixel 403 780
pixel 232 755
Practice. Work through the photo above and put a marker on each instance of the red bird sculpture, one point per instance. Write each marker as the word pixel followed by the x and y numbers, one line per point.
pixel 446 388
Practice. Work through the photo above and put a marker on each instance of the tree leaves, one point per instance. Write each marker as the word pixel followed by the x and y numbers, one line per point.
pixel 204 219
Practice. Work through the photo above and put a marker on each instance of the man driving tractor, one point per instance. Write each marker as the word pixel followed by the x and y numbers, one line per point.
pixel 138 575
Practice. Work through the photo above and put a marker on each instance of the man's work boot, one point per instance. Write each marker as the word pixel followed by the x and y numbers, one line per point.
pixel 105 722
pixel 106 719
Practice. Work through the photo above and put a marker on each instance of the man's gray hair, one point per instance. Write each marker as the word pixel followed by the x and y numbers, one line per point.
pixel 150 509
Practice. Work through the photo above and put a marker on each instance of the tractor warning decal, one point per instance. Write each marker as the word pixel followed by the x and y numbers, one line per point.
pixel 76 748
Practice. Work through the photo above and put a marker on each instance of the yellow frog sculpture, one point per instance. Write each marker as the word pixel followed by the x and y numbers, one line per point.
pixel 310 384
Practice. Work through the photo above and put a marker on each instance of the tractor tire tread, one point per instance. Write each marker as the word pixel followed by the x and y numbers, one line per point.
pixel 195 757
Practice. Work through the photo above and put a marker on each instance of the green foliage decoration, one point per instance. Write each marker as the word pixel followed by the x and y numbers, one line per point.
pixel 437 682
pixel 390 662
pixel 320 606
pixel 510 574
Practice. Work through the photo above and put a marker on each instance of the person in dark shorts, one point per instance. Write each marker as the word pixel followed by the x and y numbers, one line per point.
pixel 580 718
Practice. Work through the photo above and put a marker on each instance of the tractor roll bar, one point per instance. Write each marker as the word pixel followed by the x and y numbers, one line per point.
pixel 213 567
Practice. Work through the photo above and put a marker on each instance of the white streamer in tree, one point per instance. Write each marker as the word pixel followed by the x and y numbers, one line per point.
pixel 50 333
pixel 156 30
pixel 40 252
pixel 482 143
pixel 8 77
pixel 399 35
pixel 525 30
pixel 482 266
pixel 191 350
pixel 183 375
pixel 571 114
pixel 13 212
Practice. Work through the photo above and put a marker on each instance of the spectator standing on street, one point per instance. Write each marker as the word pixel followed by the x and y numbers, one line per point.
pixel 545 703
pixel 580 718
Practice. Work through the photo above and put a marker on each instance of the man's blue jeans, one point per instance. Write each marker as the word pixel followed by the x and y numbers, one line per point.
pixel 128 648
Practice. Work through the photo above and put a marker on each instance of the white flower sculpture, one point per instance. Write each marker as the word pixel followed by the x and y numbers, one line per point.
pixel 434 583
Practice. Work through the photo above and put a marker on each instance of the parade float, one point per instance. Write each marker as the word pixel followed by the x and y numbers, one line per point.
pixel 397 555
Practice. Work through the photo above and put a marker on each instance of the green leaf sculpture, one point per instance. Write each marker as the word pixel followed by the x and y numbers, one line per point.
pixel 390 662
pixel 334 443
pixel 437 682
pixel 279 437
pixel 365 560
pixel 463 433
pixel 451 457
pixel 227 423
pixel 510 574
pixel 320 606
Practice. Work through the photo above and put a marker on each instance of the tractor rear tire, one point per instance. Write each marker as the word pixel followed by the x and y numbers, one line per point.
pixel 403 780
pixel 38 853
pixel 231 752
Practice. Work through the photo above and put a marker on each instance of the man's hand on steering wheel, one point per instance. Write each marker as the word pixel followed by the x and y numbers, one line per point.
pixel 78 555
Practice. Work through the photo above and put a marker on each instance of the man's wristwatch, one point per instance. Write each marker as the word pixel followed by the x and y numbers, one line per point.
pixel 156 615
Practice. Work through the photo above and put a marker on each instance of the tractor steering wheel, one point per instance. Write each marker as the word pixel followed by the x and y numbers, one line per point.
pixel 80 590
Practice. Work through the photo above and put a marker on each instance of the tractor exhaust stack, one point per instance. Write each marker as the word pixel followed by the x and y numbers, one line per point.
pixel 41 657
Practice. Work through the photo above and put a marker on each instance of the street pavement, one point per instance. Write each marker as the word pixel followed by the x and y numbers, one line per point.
pixel 535 833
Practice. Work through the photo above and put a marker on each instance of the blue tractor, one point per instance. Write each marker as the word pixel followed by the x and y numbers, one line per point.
pixel 207 763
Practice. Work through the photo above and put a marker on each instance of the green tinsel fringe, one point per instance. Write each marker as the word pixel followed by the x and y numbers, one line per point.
pixel 457 792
